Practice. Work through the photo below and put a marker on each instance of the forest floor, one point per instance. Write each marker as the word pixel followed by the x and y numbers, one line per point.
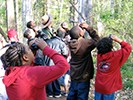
pixel 120 95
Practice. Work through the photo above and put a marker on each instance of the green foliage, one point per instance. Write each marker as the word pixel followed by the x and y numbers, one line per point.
pixel 105 16
pixel 128 84
pixel 127 74
pixel 39 10
pixel 59 11
pixel 3 15
pixel 116 20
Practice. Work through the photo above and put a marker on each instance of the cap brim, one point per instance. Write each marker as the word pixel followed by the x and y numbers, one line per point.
pixel 49 22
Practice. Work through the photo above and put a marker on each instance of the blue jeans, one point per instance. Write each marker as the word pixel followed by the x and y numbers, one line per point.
pixel 53 88
pixel 99 96
pixel 78 90
pixel 61 80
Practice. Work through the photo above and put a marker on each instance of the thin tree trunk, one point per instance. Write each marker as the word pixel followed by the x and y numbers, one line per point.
pixel 75 3
pixel 16 13
pixel 3 34
pixel 10 14
pixel 88 11
pixel 26 13
pixel 80 9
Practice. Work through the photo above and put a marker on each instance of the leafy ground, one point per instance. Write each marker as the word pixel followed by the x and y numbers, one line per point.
pixel 120 95
pixel 126 94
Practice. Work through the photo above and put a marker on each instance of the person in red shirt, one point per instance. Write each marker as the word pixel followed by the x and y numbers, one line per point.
pixel 12 35
pixel 108 77
pixel 22 79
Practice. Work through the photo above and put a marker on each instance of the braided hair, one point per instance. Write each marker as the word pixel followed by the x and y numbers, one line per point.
pixel 13 55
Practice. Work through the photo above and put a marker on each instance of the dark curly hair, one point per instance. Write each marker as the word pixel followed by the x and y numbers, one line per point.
pixel 29 24
pixel 13 55
pixel 104 45
pixel 26 33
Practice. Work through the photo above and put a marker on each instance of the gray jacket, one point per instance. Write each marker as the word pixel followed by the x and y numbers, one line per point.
pixel 55 43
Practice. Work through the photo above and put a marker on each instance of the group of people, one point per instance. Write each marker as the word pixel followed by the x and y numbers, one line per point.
pixel 39 69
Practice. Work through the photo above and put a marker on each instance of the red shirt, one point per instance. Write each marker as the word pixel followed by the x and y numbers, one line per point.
pixel 108 77
pixel 28 82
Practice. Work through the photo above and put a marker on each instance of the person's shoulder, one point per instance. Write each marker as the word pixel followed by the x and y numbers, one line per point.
pixel 44 29
pixel 56 38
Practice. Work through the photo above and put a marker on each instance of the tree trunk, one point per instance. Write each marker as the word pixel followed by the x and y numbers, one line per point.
pixel 75 13
pixel 10 14
pixel 3 34
pixel 88 11
pixel 16 14
pixel 81 10
pixel 84 9
pixel 26 13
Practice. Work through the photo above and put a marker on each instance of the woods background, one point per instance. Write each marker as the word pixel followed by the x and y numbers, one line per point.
pixel 106 16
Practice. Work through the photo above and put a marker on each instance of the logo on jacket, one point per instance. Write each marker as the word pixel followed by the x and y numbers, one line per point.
pixel 104 66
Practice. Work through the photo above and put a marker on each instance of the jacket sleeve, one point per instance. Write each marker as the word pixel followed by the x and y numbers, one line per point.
pixel 39 58
pixel 39 76
pixel 94 38
pixel 93 35
pixel 124 52
pixel 64 49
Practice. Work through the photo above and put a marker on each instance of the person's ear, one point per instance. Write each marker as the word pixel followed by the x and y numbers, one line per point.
pixel 81 33
pixel 25 58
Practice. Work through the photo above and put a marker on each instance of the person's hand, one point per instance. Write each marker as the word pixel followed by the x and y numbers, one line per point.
pixel 115 38
pixel 40 43
pixel 31 42
pixel 84 25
